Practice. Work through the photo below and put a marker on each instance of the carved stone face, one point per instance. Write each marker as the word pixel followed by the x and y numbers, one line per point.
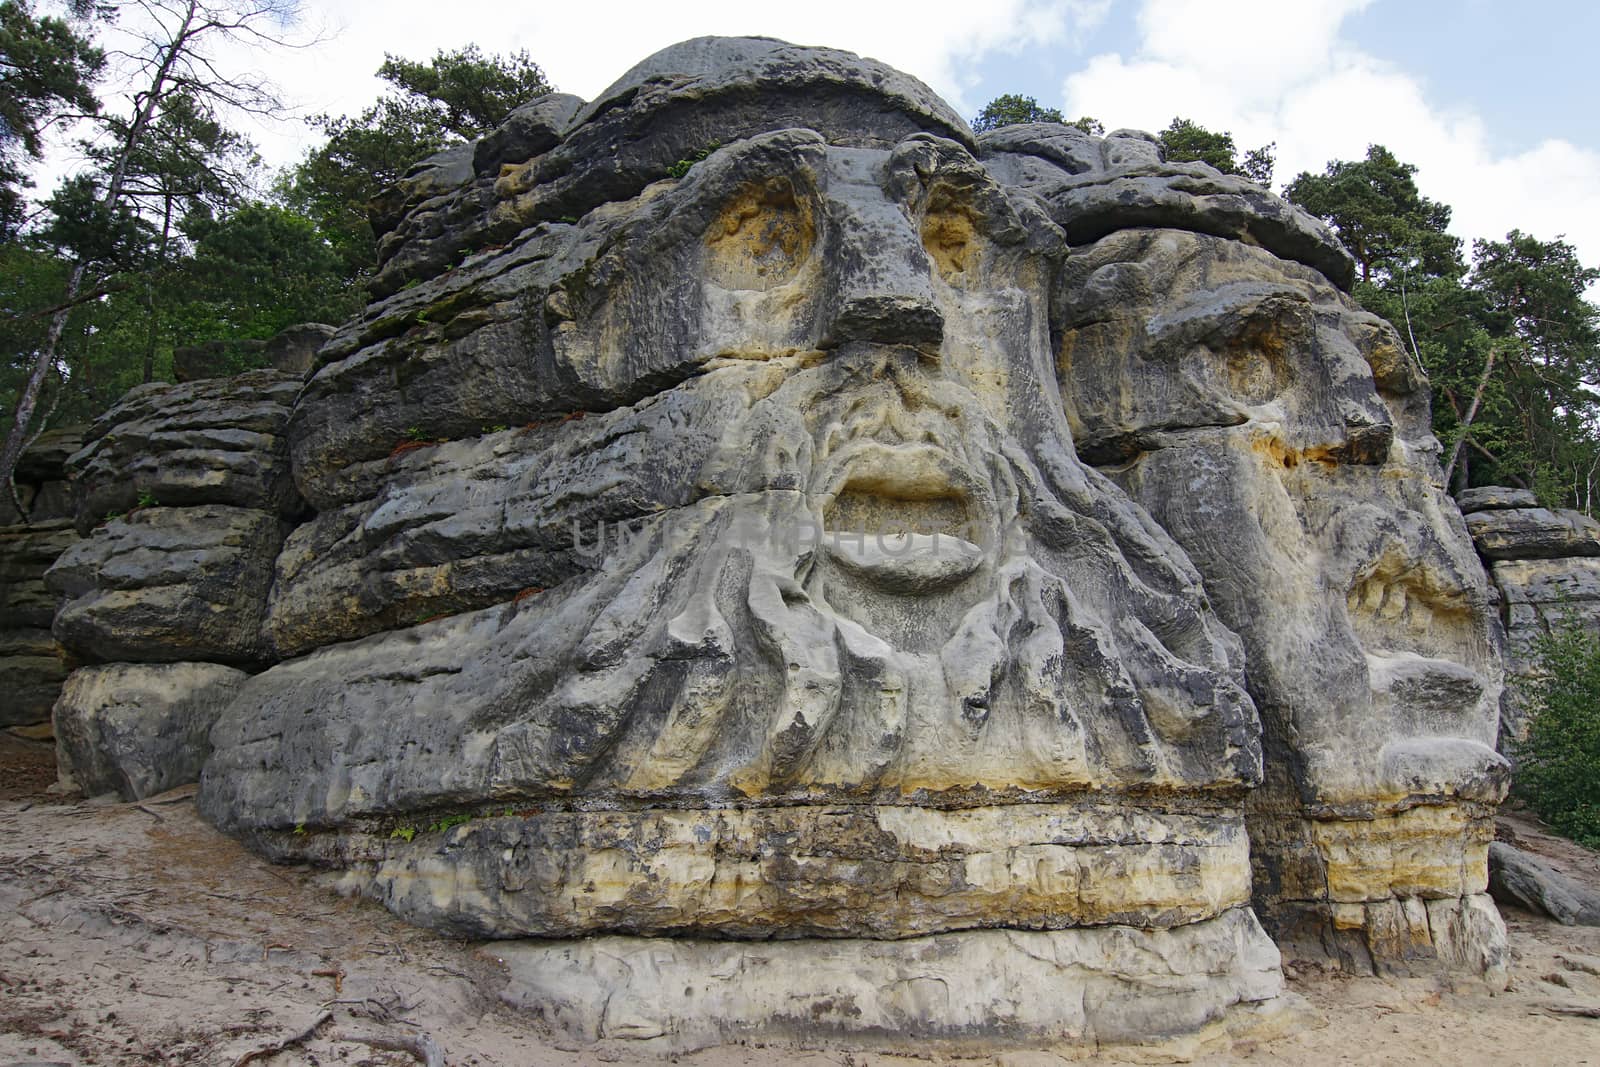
pixel 945 590
pixel 862 564
pixel 1281 436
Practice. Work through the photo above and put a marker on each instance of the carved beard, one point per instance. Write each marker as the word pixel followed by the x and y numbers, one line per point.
pixel 756 649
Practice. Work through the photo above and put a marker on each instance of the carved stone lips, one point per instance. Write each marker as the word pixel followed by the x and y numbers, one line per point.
pixel 902 516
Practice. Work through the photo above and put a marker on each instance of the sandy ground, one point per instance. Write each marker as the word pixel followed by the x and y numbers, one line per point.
pixel 135 934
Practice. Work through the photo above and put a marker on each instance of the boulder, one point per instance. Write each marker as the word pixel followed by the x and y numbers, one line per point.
pixel 752 512
pixel 135 730
pixel 1494 498
pixel 715 552
pixel 1533 533
pixel 530 130
pixel 294 351
pixel 169 584
pixel 1518 879
pixel 1280 434
pixel 218 441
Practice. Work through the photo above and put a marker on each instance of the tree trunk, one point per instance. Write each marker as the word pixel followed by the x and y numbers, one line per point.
pixel 153 320
pixel 18 440
pixel 146 104
pixel 1466 422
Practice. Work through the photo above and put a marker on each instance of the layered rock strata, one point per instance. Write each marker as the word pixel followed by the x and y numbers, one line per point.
pixel 1212 367
pixel 776 603
pixel 948 586
pixel 183 495
pixel 1546 565
pixel 32 662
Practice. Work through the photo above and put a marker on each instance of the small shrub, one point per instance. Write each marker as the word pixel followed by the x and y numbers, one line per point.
pixel 1558 763
pixel 681 167
pixel 147 499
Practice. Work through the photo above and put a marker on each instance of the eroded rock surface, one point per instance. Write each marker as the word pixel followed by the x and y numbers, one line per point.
pixel 135 730
pixel 32 663
pixel 1517 878
pixel 1546 565
pixel 1128 987
pixel 755 511
pixel 216 441
pixel 169 584
pixel 1281 436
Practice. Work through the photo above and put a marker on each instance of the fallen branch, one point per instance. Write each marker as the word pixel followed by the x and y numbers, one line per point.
pixel 1581 1011
pixel 424 1048
pixel 287 1043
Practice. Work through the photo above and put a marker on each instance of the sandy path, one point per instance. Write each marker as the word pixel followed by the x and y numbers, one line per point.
pixel 136 934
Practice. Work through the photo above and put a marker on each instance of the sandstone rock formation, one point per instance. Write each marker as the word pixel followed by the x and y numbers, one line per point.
pixel 183 496
pixel 1281 436
pixel 1515 877
pixel 951 586
pixel 1546 565
pixel 32 662
pixel 135 730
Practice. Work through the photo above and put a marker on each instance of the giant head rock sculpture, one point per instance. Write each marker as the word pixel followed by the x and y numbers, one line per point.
pixel 917 575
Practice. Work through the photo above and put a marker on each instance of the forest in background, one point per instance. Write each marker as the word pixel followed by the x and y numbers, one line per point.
pixel 171 232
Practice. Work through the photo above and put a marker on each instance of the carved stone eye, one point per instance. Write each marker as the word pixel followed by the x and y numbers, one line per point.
pixel 950 236
pixel 760 239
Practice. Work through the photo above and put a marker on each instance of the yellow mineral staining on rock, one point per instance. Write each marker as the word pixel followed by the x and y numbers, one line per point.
pixel 1429 852
pixel 950 235
pixel 761 238
pixel 837 869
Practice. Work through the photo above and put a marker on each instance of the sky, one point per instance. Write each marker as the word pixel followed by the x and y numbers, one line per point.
pixel 1493 101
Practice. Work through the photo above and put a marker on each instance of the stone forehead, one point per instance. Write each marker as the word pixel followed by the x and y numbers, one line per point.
pixel 557 159
pixel 707 66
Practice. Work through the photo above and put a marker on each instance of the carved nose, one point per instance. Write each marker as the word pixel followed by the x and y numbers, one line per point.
pixel 882 290
pixel 888 318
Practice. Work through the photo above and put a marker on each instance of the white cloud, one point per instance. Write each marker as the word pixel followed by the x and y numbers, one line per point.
pixel 1279 72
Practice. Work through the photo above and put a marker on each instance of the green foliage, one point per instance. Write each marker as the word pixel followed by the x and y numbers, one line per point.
pixel 681 167
pixel 451 98
pixel 463 93
pixel 1522 303
pixel 46 67
pixel 448 822
pixel 115 232
pixel 403 833
pixel 259 270
pixel 1558 764
pixel 147 499
pixel 1387 224
pixel 1012 110
pixel 1185 141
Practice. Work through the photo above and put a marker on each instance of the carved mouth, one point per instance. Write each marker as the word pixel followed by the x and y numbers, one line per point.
pixel 903 517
